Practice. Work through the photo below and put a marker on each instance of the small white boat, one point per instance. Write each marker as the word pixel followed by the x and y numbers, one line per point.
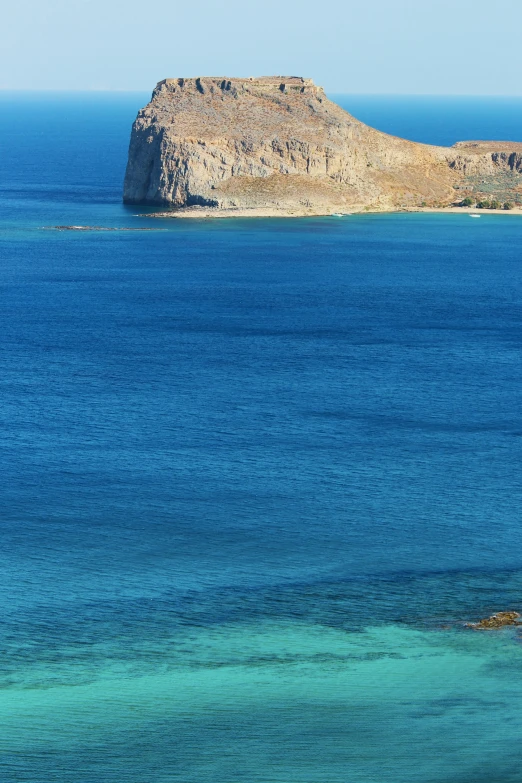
pixel 474 215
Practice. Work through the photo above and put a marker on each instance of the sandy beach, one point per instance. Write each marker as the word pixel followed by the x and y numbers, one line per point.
pixel 204 213
pixel 467 210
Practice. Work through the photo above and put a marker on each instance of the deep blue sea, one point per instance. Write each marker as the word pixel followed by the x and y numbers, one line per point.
pixel 256 475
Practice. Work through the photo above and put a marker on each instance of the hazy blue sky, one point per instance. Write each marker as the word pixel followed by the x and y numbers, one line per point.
pixel 368 46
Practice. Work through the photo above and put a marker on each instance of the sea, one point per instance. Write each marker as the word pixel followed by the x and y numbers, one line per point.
pixel 256 474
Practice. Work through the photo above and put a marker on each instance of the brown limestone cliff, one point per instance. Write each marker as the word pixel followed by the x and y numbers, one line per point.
pixel 278 143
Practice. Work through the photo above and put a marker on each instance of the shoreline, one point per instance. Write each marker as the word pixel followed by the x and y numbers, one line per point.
pixel 466 210
pixel 262 212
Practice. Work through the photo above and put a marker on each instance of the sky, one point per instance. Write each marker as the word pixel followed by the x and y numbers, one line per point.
pixel 445 47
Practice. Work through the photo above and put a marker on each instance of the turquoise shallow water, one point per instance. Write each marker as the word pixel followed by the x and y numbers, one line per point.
pixel 283 701
pixel 256 477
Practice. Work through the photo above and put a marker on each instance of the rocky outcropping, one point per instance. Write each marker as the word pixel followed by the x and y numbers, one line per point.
pixel 498 620
pixel 278 143
pixel 98 228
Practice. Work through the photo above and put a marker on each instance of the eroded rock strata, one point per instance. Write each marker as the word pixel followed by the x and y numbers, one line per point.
pixel 278 143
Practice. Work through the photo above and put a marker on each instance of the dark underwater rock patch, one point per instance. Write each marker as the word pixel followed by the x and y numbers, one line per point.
pixel 100 228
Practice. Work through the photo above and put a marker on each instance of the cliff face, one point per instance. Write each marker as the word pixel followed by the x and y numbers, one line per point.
pixel 279 143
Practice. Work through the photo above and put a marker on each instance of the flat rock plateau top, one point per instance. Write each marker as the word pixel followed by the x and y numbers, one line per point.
pixel 277 145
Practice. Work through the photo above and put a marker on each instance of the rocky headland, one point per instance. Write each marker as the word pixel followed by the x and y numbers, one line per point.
pixel 278 146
